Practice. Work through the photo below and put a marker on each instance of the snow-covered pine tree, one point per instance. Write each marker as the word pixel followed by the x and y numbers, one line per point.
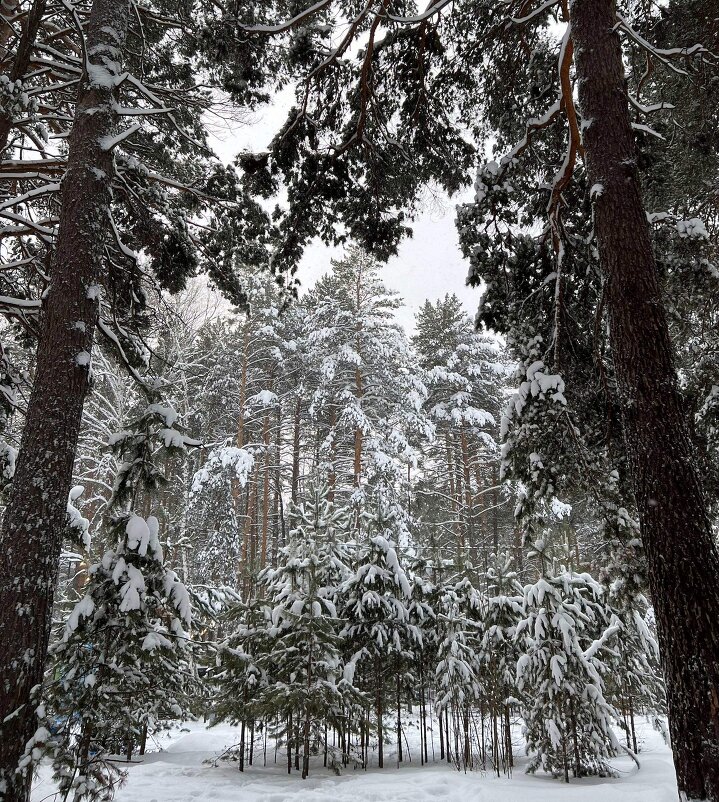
pixel 306 691
pixel 115 191
pixel 464 375
pixel 327 523
pixel 563 634
pixel 499 652
pixel 369 435
pixel 238 672
pixel 458 688
pixel 379 632
pixel 424 617
pixel 635 683
pixel 122 663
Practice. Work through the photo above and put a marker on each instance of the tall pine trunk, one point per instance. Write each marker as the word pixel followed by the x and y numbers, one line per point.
pixel 682 557
pixel 265 490
pixel 34 524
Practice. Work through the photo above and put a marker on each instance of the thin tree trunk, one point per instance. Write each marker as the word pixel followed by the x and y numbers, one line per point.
pixel 461 512
pixel 508 739
pixel 289 744
pixel 332 477
pixel 399 721
pixel 468 500
pixel 380 745
pixel 631 723
pixel 295 483
pixel 308 720
pixel 495 509
pixel 422 731
pixel 359 387
pixel 236 487
pixel 682 557
pixel 495 741
pixel 441 738
pixel 34 524
pixel 247 529
pixel 277 515
pixel 575 742
pixel 265 491
pixel 243 727
pixel 446 736
pixel 359 392
pixel 281 538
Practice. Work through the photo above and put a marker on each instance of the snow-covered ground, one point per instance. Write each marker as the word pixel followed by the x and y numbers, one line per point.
pixel 179 773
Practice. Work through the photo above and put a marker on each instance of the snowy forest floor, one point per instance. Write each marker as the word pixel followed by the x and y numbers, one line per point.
pixel 180 773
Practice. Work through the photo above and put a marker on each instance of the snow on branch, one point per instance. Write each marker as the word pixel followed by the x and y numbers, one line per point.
pixel 289 24
pixel 663 54
pixel 536 13
pixel 110 142
pixel 434 8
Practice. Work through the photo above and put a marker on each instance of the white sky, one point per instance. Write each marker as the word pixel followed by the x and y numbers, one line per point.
pixel 427 266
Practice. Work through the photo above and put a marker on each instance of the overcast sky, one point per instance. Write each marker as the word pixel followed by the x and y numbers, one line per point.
pixel 428 265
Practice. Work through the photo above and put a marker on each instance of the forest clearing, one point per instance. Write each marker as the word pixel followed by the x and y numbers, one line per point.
pixel 185 772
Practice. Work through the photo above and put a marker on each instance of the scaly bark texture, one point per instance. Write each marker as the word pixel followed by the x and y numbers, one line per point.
pixel 32 533
pixel 682 557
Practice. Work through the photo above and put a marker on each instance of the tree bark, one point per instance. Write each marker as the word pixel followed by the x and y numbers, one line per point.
pixel 265 490
pixel 399 720
pixel 295 482
pixel 289 743
pixel 34 524
pixel 378 705
pixel 357 465
pixel 332 477
pixel 682 558
pixel 471 544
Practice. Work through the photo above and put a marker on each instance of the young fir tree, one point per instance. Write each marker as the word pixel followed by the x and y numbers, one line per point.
pixel 635 683
pixel 499 652
pixel 562 636
pixel 239 671
pixel 458 687
pixel 306 691
pixel 423 616
pixel 379 631
pixel 122 662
